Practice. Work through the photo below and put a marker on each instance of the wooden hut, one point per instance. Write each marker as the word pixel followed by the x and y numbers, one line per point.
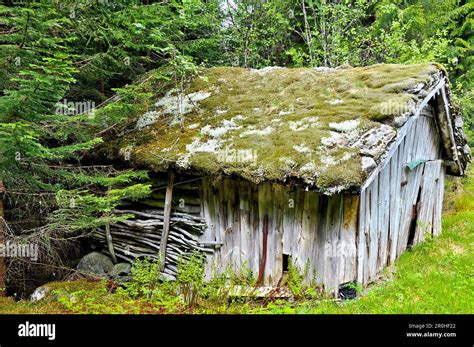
pixel 340 168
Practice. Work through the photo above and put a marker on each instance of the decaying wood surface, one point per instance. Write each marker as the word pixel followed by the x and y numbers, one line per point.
pixel 141 237
pixel 399 199
pixel 308 227
pixel 167 217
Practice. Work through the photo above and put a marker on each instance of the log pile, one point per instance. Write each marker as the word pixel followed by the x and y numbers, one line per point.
pixel 141 236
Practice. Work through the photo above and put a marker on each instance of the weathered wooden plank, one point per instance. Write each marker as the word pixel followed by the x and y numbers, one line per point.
pixel 246 245
pixel 384 215
pixel 348 240
pixel 308 236
pixel 209 232
pixel 374 228
pixel 255 232
pixel 234 222
pixel 332 235
pixel 394 216
pixel 288 222
pixel 425 222
pixel 319 251
pixel 265 208
pixel 217 218
pixel 437 211
pixel 361 242
pixel 297 259
pixel 405 208
pixel 412 190
pixel 277 239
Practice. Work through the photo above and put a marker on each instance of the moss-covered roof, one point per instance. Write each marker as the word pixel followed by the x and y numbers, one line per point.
pixel 325 127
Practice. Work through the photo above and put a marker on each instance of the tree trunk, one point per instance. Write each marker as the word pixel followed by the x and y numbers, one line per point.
pixel 167 218
pixel 3 264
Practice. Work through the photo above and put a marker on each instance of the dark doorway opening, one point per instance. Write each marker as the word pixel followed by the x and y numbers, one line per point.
pixel 285 269
pixel 414 217
pixel 286 262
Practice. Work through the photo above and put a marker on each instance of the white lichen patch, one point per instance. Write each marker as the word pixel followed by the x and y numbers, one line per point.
pixel 304 123
pixel 289 162
pixel 193 126
pixel 368 164
pixel 302 148
pixel 210 146
pixel 237 118
pixel 328 160
pixel 259 132
pixel 266 70
pixel 221 112
pixel 346 157
pixel 335 139
pixel 229 123
pixel 335 102
pixel 171 103
pixel 180 103
pixel 335 190
pixel 216 132
pixel 309 172
pixel 147 118
pixel 345 126
pixel 184 161
pixel 298 125
pixel 375 141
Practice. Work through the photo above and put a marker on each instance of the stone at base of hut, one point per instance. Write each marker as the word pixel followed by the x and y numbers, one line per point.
pixel 95 263
pixel 121 271
pixel 39 293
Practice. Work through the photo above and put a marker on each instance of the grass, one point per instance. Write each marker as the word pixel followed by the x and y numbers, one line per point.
pixel 434 277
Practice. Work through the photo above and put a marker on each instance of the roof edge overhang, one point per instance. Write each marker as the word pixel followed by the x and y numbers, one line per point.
pixel 450 130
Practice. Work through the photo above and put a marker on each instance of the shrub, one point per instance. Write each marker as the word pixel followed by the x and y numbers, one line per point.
pixel 190 277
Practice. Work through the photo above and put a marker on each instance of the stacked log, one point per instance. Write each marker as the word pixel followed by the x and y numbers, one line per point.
pixel 140 237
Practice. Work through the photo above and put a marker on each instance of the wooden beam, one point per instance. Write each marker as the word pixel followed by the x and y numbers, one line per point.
pixel 3 264
pixel 167 216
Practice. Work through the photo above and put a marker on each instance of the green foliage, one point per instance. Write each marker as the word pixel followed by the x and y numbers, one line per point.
pixel 146 278
pixel 190 277
pixel 148 283
pixel 298 281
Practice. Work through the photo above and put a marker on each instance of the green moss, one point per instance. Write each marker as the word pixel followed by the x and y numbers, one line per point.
pixel 268 113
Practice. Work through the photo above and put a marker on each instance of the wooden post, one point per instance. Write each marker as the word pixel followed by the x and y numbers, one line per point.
pixel 110 245
pixel 3 264
pixel 167 218
pixel 263 259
